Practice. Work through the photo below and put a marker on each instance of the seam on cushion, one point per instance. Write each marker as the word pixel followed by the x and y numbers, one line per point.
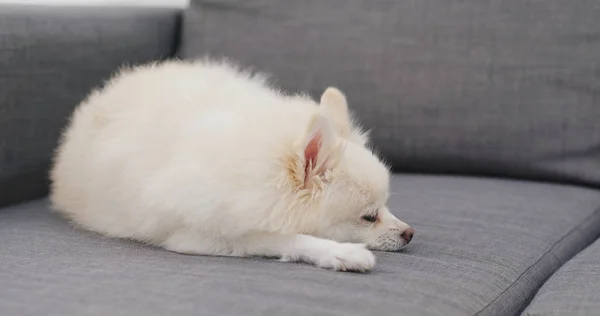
pixel 544 255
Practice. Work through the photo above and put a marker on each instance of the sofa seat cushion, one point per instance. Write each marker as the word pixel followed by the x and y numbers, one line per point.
pixel 482 247
pixel 573 290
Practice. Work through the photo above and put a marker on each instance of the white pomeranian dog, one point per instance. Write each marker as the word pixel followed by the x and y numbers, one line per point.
pixel 204 158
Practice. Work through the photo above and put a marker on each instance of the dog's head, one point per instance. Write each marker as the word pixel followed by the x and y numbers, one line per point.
pixel 342 183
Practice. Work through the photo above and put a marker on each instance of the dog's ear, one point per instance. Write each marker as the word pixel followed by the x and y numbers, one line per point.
pixel 335 106
pixel 333 103
pixel 319 140
pixel 318 149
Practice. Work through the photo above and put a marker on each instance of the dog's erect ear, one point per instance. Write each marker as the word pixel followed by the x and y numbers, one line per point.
pixel 334 104
pixel 318 141
pixel 318 147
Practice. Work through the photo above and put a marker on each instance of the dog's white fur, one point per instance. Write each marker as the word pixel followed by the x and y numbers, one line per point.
pixel 202 158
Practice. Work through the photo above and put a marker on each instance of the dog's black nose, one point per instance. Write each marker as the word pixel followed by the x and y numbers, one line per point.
pixel 408 234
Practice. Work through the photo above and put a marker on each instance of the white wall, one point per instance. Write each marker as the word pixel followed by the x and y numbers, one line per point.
pixel 154 3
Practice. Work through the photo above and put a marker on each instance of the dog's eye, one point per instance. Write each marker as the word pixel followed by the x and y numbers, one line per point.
pixel 370 218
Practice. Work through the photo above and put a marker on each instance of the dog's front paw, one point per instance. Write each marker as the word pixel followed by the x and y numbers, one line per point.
pixel 347 257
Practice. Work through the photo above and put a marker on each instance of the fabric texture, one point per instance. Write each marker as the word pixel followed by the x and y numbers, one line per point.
pixel 573 290
pixel 482 247
pixel 50 58
pixel 491 87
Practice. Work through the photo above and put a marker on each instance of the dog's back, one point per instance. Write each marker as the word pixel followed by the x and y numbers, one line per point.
pixel 126 160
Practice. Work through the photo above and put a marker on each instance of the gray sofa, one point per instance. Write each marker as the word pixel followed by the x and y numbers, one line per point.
pixel 488 111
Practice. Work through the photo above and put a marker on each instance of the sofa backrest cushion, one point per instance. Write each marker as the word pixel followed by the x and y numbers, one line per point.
pixel 491 87
pixel 50 58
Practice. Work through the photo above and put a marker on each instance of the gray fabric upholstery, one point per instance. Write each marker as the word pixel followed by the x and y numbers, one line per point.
pixel 50 58
pixel 495 87
pixel 573 290
pixel 482 247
